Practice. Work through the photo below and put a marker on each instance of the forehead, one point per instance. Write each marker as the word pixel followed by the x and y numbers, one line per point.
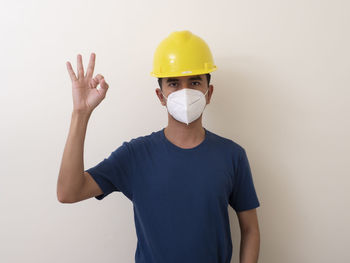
pixel 185 78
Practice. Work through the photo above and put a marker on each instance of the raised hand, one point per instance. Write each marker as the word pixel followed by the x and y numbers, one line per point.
pixel 86 96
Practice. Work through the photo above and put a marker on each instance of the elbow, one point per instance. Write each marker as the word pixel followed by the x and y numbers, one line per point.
pixel 63 197
pixel 64 200
pixel 61 192
pixel 67 191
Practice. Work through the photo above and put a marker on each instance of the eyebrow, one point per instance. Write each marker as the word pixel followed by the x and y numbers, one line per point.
pixel 192 78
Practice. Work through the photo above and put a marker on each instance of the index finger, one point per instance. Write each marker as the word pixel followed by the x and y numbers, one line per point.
pixel 91 66
pixel 72 75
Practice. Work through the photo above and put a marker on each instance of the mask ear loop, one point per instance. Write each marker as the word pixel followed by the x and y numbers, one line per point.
pixel 164 95
pixel 206 91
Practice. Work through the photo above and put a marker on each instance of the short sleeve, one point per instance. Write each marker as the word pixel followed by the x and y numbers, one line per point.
pixel 243 195
pixel 114 173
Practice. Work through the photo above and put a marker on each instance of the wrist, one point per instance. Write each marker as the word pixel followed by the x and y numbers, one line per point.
pixel 81 112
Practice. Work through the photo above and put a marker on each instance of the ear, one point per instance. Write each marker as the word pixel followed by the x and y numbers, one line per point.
pixel 210 92
pixel 160 96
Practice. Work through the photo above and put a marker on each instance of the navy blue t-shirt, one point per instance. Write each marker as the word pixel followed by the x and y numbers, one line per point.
pixel 180 196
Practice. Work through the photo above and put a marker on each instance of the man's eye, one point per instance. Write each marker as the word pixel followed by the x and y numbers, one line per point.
pixel 172 83
pixel 196 82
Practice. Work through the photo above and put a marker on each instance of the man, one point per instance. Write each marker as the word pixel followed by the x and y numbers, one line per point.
pixel 180 178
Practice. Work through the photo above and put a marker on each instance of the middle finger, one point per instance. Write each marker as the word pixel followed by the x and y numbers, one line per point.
pixel 80 66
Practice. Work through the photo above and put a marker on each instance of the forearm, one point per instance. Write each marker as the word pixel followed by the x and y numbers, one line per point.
pixel 250 244
pixel 71 174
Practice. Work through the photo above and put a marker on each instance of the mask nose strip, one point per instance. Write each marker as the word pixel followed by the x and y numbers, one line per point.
pixel 191 102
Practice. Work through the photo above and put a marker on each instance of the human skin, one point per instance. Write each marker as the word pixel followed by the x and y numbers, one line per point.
pixel 86 97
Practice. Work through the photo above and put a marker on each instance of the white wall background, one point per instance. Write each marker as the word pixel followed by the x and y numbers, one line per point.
pixel 281 91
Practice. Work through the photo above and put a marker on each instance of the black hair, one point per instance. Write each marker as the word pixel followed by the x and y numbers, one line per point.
pixel 160 80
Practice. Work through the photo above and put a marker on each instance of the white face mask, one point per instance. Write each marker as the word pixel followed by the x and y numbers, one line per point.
pixel 186 105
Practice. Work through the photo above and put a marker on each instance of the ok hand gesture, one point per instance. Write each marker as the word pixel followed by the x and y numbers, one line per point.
pixel 86 97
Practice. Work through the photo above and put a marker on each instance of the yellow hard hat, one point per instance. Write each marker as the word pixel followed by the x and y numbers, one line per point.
pixel 181 54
